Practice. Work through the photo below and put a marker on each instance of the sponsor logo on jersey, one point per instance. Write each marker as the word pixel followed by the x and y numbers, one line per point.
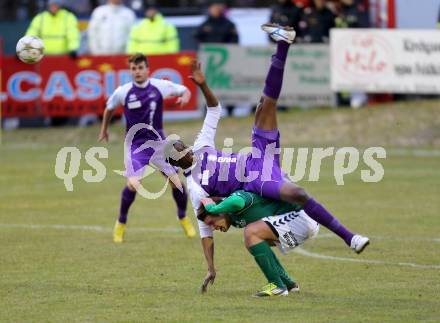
pixel 227 159
pixel 134 105
pixel 132 97
pixel 290 239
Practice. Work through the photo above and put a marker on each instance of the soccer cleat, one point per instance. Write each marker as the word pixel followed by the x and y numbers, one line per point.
pixel 359 243
pixel 118 232
pixel 272 290
pixel 188 227
pixel 280 33
pixel 293 288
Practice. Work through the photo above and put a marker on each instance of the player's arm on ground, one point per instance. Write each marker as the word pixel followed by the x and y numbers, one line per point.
pixel 207 240
pixel 207 134
pixel 196 194
pixel 208 250
pixel 113 102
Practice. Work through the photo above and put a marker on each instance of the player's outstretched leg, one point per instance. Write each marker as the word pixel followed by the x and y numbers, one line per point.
pixel 265 116
pixel 265 119
pixel 181 200
pixel 292 193
pixel 127 197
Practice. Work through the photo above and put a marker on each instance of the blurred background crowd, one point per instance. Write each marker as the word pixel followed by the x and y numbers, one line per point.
pixel 117 26
pixel 112 27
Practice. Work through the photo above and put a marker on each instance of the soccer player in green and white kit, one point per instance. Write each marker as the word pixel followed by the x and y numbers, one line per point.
pixel 266 222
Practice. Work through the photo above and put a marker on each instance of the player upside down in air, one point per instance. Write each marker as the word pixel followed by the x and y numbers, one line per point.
pixel 266 222
pixel 214 173
pixel 142 100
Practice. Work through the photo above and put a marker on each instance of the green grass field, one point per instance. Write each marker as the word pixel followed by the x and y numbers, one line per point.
pixel 58 262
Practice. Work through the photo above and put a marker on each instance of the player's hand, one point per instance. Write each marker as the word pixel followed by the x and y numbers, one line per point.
pixel 207 200
pixel 197 75
pixel 103 136
pixel 210 277
pixel 184 99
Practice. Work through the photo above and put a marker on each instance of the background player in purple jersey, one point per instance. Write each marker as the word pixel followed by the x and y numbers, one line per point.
pixel 142 100
pixel 207 165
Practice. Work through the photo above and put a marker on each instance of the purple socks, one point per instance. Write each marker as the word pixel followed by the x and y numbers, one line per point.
pixel 127 198
pixel 181 200
pixel 274 79
pixel 318 213
pixel 282 49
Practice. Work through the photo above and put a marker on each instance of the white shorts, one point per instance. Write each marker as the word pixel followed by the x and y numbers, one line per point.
pixel 293 229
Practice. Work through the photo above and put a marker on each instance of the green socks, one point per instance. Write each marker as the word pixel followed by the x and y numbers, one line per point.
pixel 282 272
pixel 268 263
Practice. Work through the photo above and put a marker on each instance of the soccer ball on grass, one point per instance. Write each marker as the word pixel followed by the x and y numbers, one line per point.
pixel 30 49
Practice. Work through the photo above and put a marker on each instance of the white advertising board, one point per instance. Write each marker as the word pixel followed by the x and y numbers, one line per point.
pixel 237 74
pixel 377 60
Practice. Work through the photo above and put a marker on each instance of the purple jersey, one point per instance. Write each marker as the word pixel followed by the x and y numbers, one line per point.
pixel 143 103
pixel 218 173
pixel 215 173
pixel 144 106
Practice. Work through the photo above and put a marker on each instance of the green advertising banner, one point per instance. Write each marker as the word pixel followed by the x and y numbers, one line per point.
pixel 237 74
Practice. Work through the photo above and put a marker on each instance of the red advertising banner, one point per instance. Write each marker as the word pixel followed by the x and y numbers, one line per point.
pixel 62 86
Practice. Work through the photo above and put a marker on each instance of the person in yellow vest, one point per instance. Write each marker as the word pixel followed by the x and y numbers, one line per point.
pixel 153 35
pixel 58 28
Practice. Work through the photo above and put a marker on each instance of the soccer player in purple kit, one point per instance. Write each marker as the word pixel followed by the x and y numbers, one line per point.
pixel 214 173
pixel 142 100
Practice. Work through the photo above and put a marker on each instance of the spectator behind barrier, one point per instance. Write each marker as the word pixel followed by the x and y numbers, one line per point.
pixel 153 35
pixel 58 28
pixel 109 28
pixel 315 23
pixel 217 29
pixel 285 13
pixel 352 14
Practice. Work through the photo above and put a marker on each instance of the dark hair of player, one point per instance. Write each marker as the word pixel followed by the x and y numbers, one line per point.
pixel 201 212
pixel 172 150
pixel 173 154
pixel 138 58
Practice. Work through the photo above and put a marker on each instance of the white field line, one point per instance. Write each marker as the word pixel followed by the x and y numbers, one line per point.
pixel 299 250
pixel 306 253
